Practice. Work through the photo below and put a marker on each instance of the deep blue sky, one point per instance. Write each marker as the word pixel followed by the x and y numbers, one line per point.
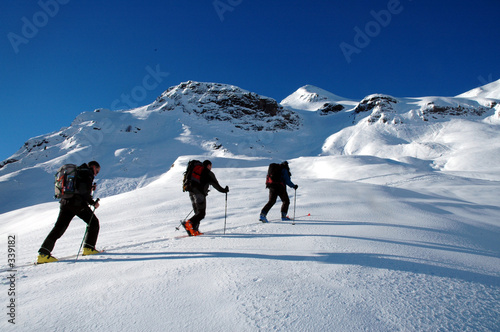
pixel 57 62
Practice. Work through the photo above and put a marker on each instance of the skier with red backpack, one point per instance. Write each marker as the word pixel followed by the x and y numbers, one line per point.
pixel 197 180
pixel 278 177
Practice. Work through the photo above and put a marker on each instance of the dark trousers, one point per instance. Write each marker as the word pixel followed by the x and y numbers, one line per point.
pixel 275 192
pixel 199 202
pixel 66 213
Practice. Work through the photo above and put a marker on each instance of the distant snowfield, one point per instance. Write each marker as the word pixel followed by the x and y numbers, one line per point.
pixel 388 246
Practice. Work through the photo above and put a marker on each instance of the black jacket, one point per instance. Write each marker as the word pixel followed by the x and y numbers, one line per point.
pixel 208 179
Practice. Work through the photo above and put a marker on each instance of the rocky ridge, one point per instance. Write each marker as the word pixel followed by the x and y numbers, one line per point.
pixel 222 102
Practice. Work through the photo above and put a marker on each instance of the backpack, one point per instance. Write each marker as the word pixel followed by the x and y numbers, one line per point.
pixel 274 174
pixel 192 175
pixel 65 184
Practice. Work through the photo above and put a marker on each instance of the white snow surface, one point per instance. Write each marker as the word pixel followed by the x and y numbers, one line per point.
pixel 490 90
pixel 397 223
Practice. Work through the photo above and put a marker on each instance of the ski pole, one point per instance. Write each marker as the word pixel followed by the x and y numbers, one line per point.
pixel 294 205
pixel 225 216
pixel 86 231
pixel 177 228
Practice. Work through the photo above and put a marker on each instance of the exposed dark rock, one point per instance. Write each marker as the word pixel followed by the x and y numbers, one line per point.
pixel 8 161
pixel 329 108
pixel 436 111
pixel 370 102
pixel 222 102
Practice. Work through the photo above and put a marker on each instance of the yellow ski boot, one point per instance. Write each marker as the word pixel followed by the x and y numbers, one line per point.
pixel 45 259
pixel 90 251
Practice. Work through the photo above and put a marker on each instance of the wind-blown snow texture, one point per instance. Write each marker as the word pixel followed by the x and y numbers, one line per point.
pixel 403 197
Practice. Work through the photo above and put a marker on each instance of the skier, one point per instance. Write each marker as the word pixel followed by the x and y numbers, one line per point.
pixel 198 194
pixel 277 179
pixel 78 205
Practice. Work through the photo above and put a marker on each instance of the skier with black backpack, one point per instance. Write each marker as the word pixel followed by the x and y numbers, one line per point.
pixel 74 186
pixel 197 180
pixel 278 177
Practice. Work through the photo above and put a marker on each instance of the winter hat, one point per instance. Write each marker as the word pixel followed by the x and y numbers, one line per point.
pixel 94 163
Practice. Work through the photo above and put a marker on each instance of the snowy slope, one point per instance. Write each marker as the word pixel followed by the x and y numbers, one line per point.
pixel 488 91
pixel 387 247
pixel 397 216
pixel 444 133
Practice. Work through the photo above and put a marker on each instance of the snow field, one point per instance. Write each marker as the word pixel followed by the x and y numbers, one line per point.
pixel 388 246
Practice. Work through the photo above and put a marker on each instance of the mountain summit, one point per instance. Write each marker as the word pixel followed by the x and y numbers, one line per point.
pixel 222 102
pixel 312 98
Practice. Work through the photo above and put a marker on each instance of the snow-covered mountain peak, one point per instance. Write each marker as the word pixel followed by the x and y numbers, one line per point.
pixel 312 93
pixel 488 91
pixel 312 98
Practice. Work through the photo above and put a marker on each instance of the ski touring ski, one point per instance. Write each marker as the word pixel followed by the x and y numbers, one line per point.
pixel 279 219
pixel 60 259
pixel 71 258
